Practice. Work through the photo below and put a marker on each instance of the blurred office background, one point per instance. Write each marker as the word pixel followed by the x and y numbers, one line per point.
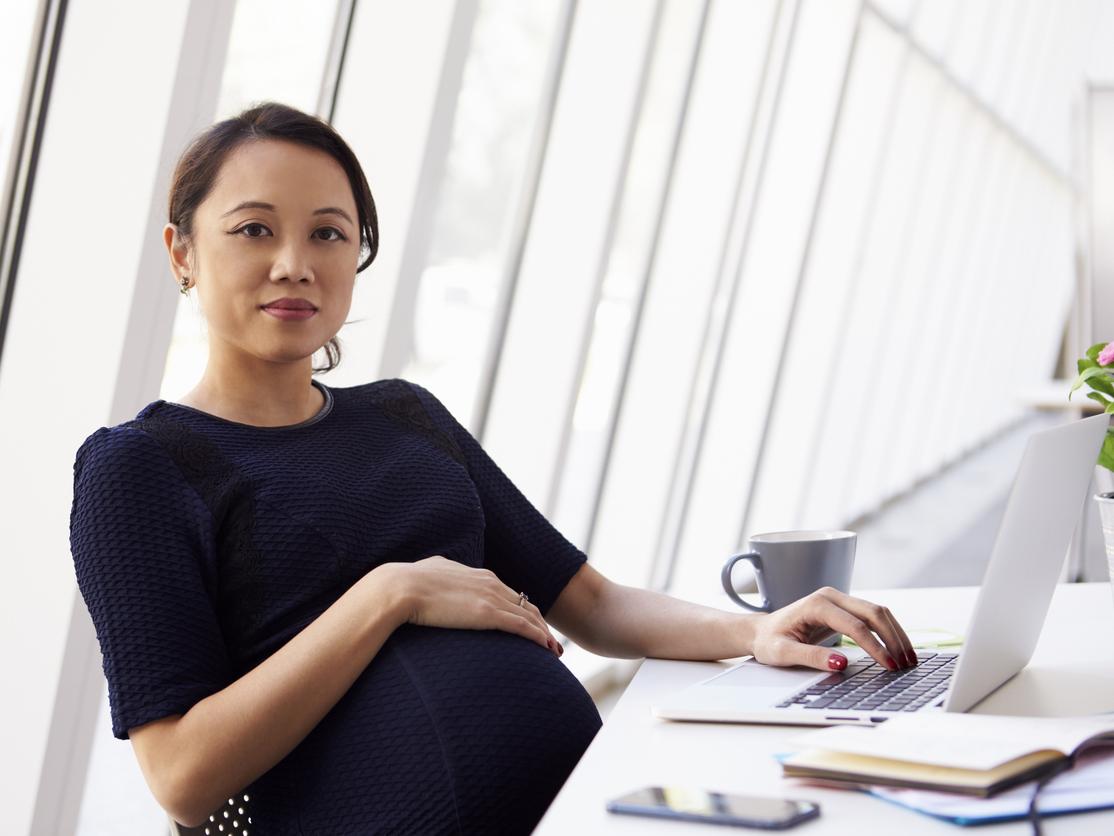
pixel 689 269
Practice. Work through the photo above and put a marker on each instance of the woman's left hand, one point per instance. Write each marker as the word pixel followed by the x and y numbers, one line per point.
pixel 788 636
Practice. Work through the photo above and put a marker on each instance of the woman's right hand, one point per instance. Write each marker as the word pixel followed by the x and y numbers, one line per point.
pixel 444 593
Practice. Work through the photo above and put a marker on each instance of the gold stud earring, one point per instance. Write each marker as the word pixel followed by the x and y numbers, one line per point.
pixel 185 285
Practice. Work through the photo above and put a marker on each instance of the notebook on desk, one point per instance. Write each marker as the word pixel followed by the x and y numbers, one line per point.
pixel 1043 507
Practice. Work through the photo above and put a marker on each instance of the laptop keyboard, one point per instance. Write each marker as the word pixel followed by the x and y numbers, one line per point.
pixel 868 686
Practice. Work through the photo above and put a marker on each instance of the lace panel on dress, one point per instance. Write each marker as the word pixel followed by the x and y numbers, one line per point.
pixel 229 495
pixel 396 399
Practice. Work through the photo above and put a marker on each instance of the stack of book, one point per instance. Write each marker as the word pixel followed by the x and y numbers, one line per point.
pixel 944 764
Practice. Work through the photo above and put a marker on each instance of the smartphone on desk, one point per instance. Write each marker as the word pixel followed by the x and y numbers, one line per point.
pixel 715 807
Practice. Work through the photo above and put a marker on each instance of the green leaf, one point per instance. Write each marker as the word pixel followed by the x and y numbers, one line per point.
pixel 1106 455
pixel 1094 351
pixel 1109 409
pixel 1102 399
pixel 1087 375
pixel 1105 384
pixel 1102 384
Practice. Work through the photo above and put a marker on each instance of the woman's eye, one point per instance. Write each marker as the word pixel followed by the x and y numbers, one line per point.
pixel 253 230
pixel 335 234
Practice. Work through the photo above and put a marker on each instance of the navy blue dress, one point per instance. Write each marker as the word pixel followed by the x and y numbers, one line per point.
pixel 202 545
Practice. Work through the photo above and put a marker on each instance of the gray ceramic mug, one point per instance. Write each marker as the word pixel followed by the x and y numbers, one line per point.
pixel 788 565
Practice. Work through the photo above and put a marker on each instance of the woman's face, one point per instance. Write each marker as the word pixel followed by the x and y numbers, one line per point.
pixel 279 222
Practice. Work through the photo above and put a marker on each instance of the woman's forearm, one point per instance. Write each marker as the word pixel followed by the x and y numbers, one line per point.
pixel 232 737
pixel 632 623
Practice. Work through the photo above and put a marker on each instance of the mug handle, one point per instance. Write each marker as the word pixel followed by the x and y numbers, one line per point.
pixel 729 588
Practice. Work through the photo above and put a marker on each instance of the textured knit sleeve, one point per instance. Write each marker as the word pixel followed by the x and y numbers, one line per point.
pixel 140 539
pixel 520 545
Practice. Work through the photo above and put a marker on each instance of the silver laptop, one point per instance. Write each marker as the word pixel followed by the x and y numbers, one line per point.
pixel 1044 505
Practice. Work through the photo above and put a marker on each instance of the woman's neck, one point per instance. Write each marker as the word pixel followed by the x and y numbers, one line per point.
pixel 276 395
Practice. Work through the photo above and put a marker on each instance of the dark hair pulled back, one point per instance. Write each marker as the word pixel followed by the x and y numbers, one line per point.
pixel 200 163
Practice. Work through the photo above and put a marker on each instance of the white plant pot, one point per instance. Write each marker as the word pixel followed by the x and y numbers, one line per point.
pixel 1104 479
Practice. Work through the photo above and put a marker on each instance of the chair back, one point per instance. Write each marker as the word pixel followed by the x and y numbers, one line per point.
pixel 232 819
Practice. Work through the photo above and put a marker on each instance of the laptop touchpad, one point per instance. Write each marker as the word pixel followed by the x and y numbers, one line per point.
pixel 755 674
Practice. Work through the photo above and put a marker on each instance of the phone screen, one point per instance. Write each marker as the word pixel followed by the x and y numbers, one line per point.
pixel 718 807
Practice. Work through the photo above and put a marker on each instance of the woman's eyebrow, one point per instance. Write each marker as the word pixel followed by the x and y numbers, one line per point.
pixel 250 204
pixel 270 207
pixel 334 210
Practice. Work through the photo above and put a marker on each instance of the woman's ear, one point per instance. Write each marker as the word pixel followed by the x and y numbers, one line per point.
pixel 178 250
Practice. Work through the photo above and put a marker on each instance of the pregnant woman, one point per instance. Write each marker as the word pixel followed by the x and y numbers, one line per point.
pixel 331 601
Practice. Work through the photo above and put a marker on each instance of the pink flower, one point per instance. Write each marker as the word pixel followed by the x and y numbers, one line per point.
pixel 1106 356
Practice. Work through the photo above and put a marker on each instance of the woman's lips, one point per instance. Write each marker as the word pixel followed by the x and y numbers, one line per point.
pixel 290 313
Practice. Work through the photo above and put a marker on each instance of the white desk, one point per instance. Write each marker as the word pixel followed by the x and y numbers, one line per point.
pixel 1072 672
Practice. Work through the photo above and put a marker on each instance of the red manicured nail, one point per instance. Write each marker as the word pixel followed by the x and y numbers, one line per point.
pixel 837 662
pixel 890 663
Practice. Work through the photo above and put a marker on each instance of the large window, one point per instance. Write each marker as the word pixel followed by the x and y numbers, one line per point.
pixel 670 259
pixel 489 175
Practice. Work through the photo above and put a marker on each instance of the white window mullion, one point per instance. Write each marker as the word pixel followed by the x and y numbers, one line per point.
pixel 558 282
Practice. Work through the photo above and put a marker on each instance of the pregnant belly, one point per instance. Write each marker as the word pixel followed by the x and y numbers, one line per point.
pixel 512 718
pixel 446 730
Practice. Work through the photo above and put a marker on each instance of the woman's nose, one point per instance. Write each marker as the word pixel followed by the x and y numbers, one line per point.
pixel 294 263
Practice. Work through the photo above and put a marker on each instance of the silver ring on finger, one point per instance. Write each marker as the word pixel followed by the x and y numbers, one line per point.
pixel 522 597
